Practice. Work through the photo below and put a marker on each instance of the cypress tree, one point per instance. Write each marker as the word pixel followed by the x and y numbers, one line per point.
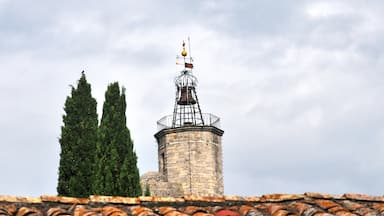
pixel 78 142
pixel 147 190
pixel 116 161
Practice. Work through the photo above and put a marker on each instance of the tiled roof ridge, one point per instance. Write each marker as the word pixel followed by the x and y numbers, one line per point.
pixel 267 198
pixel 307 204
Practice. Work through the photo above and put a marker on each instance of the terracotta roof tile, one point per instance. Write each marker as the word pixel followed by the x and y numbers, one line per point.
pixel 194 209
pixel 226 212
pixel 252 199
pixel 112 211
pixel 234 198
pixel 364 197
pixel 203 198
pixel 274 208
pixel 261 207
pixel 175 213
pixel 214 209
pixel 82 211
pixel 114 199
pixel 326 204
pixel 7 209
pixel 323 196
pixel 60 199
pixel 379 207
pixel 147 198
pixel 202 214
pixel 351 206
pixel 315 211
pixel 280 213
pixel 166 209
pixel 148 213
pixel 244 209
pixel 280 197
pixel 344 213
pixel 28 211
pixel 160 199
pixel 19 199
pixel 139 210
pixel 299 207
pixel 58 212
pixel 336 209
pixel 366 212
pixel 254 213
pixel 308 204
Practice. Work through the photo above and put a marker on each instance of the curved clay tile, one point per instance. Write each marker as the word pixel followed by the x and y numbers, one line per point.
pixel 24 211
pixel 141 211
pixel 175 213
pixel 326 204
pixel 261 207
pixel 148 213
pixel 366 212
pixel 352 206
pixel 338 210
pixel 280 213
pixel 81 211
pixel 244 209
pixel 214 209
pixel 202 214
pixel 299 207
pixel 227 213
pixel 315 212
pixel 58 212
pixel 112 211
pixel 378 207
pixel 166 209
pixel 194 209
pixel 7 209
pixel 273 208
pixel 344 213
pixel 254 212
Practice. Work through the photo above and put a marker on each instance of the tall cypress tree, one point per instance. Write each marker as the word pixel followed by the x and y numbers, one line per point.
pixel 116 161
pixel 78 142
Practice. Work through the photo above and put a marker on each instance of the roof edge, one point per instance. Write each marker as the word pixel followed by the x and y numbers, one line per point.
pixel 187 199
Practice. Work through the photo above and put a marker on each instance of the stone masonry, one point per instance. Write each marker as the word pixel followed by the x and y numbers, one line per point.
pixel 192 156
pixel 159 186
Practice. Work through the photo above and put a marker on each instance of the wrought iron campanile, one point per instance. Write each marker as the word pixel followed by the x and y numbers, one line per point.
pixel 187 108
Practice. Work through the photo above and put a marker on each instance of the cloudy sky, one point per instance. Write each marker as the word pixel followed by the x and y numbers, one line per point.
pixel 297 85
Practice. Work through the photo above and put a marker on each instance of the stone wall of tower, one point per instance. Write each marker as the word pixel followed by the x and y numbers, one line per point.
pixel 192 157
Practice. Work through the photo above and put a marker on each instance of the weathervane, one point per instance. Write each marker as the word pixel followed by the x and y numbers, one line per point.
pixel 188 61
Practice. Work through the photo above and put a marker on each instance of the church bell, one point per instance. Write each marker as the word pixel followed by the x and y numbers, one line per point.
pixel 186 97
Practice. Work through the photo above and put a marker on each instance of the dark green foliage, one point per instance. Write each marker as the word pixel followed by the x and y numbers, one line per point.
pixel 78 142
pixel 147 190
pixel 116 161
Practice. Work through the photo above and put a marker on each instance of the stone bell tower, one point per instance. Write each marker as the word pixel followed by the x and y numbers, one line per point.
pixel 189 141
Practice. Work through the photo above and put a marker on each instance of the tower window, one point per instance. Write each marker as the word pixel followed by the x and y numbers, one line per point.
pixel 162 163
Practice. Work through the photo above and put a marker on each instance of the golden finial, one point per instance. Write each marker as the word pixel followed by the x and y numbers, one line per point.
pixel 184 52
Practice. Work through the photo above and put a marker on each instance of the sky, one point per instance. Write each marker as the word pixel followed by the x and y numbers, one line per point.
pixel 297 84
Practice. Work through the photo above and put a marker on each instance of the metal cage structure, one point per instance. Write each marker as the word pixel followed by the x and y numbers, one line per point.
pixel 187 110
pixel 167 121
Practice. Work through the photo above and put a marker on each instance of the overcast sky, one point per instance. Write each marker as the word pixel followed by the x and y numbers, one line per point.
pixel 298 85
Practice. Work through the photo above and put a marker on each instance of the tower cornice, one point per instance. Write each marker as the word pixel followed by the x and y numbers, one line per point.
pixel 212 129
